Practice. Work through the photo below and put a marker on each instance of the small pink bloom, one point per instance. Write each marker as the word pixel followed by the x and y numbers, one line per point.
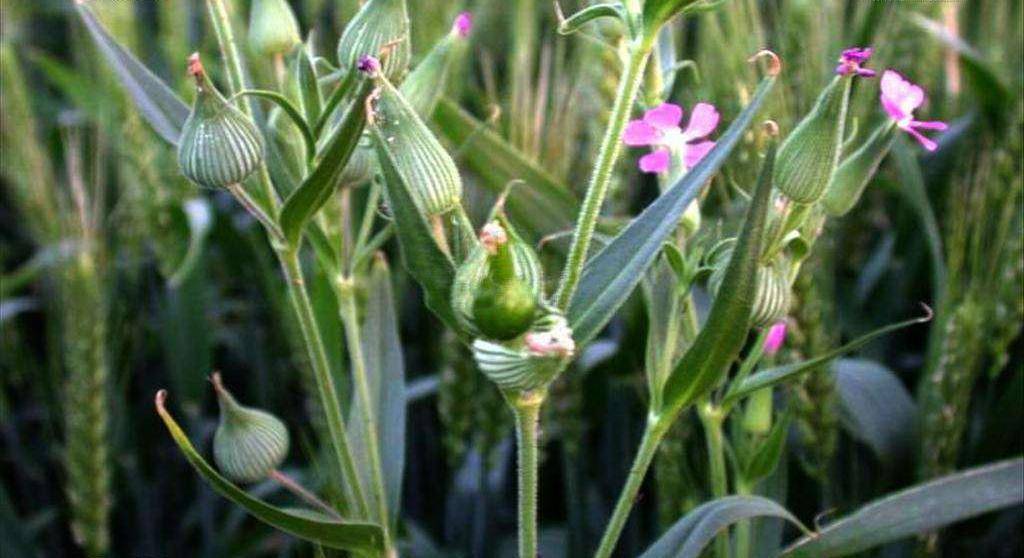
pixel 776 336
pixel 463 24
pixel 659 128
pixel 368 65
pixel 900 98
pixel 555 342
pixel 492 236
pixel 851 60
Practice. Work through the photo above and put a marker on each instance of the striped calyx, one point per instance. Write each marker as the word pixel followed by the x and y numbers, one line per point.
pixel 773 296
pixel 530 362
pixel 497 289
pixel 380 25
pixel 249 444
pixel 856 171
pixel 219 145
pixel 272 27
pixel 808 157
pixel 425 83
pixel 416 154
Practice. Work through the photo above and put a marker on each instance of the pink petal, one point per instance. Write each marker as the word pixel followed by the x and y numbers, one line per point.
pixel 663 116
pixel 695 152
pixel 913 98
pixel 891 85
pixel 892 109
pixel 776 336
pixel 703 120
pixel 656 161
pixel 639 132
pixel 463 24
pixel 929 125
pixel 925 142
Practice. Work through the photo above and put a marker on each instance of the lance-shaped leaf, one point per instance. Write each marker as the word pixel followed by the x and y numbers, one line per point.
pixel 573 23
pixel 691 534
pixel 876 408
pixel 317 188
pixel 159 105
pixel 726 328
pixel 356 537
pixel 310 98
pixel 918 509
pixel 772 376
pixel 611 275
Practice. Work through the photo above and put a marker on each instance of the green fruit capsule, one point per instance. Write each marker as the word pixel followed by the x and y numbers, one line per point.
pixel 773 296
pixel 857 170
pixel 219 145
pixel 249 444
pixel 378 24
pixel 425 83
pixel 405 141
pixel 808 157
pixel 273 29
pixel 530 362
pixel 497 289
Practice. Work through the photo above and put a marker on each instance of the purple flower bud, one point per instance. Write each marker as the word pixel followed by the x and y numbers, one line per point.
pixel 369 65
pixel 776 336
pixel 463 24
pixel 851 59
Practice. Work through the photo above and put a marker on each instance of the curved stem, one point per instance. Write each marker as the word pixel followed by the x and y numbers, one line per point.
pixel 256 211
pixel 611 145
pixel 712 419
pixel 322 373
pixel 353 338
pixel 655 431
pixel 297 489
pixel 527 411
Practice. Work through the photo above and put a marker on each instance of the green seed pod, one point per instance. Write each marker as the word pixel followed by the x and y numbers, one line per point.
pixel 425 83
pixel 758 416
pixel 272 27
pixel 531 362
pixel 809 155
pixel 378 23
pixel 496 290
pixel 773 297
pixel 219 145
pixel 249 444
pixel 415 152
pixel 856 171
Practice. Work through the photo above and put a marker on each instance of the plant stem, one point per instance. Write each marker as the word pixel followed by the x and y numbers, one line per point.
pixel 743 528
pixel 655 431
pixel 353 338
pixel 526 408
pixel 297 489
pixel 322 372
pixel 611 145
pixel 712 418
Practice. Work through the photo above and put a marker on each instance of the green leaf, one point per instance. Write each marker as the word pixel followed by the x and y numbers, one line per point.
pixel 577 20
pixel 918 509
pixel 310 98
pixel 290 110
pixel 691 534
pixel 159 105
pixel 424 259
pixel 317 188
pixel 876 408
pixel 913 189
pixel 385 371
pixel 540 205
pixel 611 275
pixel 356 537
pixel 772 376
pixel 766 458
pixel 200 221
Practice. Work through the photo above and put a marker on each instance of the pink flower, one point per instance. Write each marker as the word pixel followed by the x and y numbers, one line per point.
pixel 659 128
pixel 850 62
pixel 463 24
pixel 369 65
pixel 554 342
pixel 899 98
pixel 776 336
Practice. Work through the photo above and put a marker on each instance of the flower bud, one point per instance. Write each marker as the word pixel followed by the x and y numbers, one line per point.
pixel 249 444
pixel 758 416
pixel 414 151
pixel 856 171
pixel 219 145
pixel 531 362
pixel 378 24
pixel 773 296
pixel 425 83
pixel 497 289
pixel 272 27
pixel 809 155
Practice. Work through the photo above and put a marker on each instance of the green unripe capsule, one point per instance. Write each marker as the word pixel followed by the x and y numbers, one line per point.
pixel 808 157
pixel 773 296
pixel 856 171
pixel 249 444
pixel 531 362
pixel 425 83
pixel 219 145
pixel 272 27
pixel 378 24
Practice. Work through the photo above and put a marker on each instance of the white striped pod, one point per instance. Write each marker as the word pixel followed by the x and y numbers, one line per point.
pixel 522 365
pixel 378 24
pixel 249 444
pixel 416 154
pixel 773 296
pixel 219 145
pixel 272 27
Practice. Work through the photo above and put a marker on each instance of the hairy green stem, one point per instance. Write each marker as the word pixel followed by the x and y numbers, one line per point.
pixel 526 408
pixel 353 338
pixel 655 431
pixel 743 528
pixel 711 418
pixel 611 146
pixel 322 373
